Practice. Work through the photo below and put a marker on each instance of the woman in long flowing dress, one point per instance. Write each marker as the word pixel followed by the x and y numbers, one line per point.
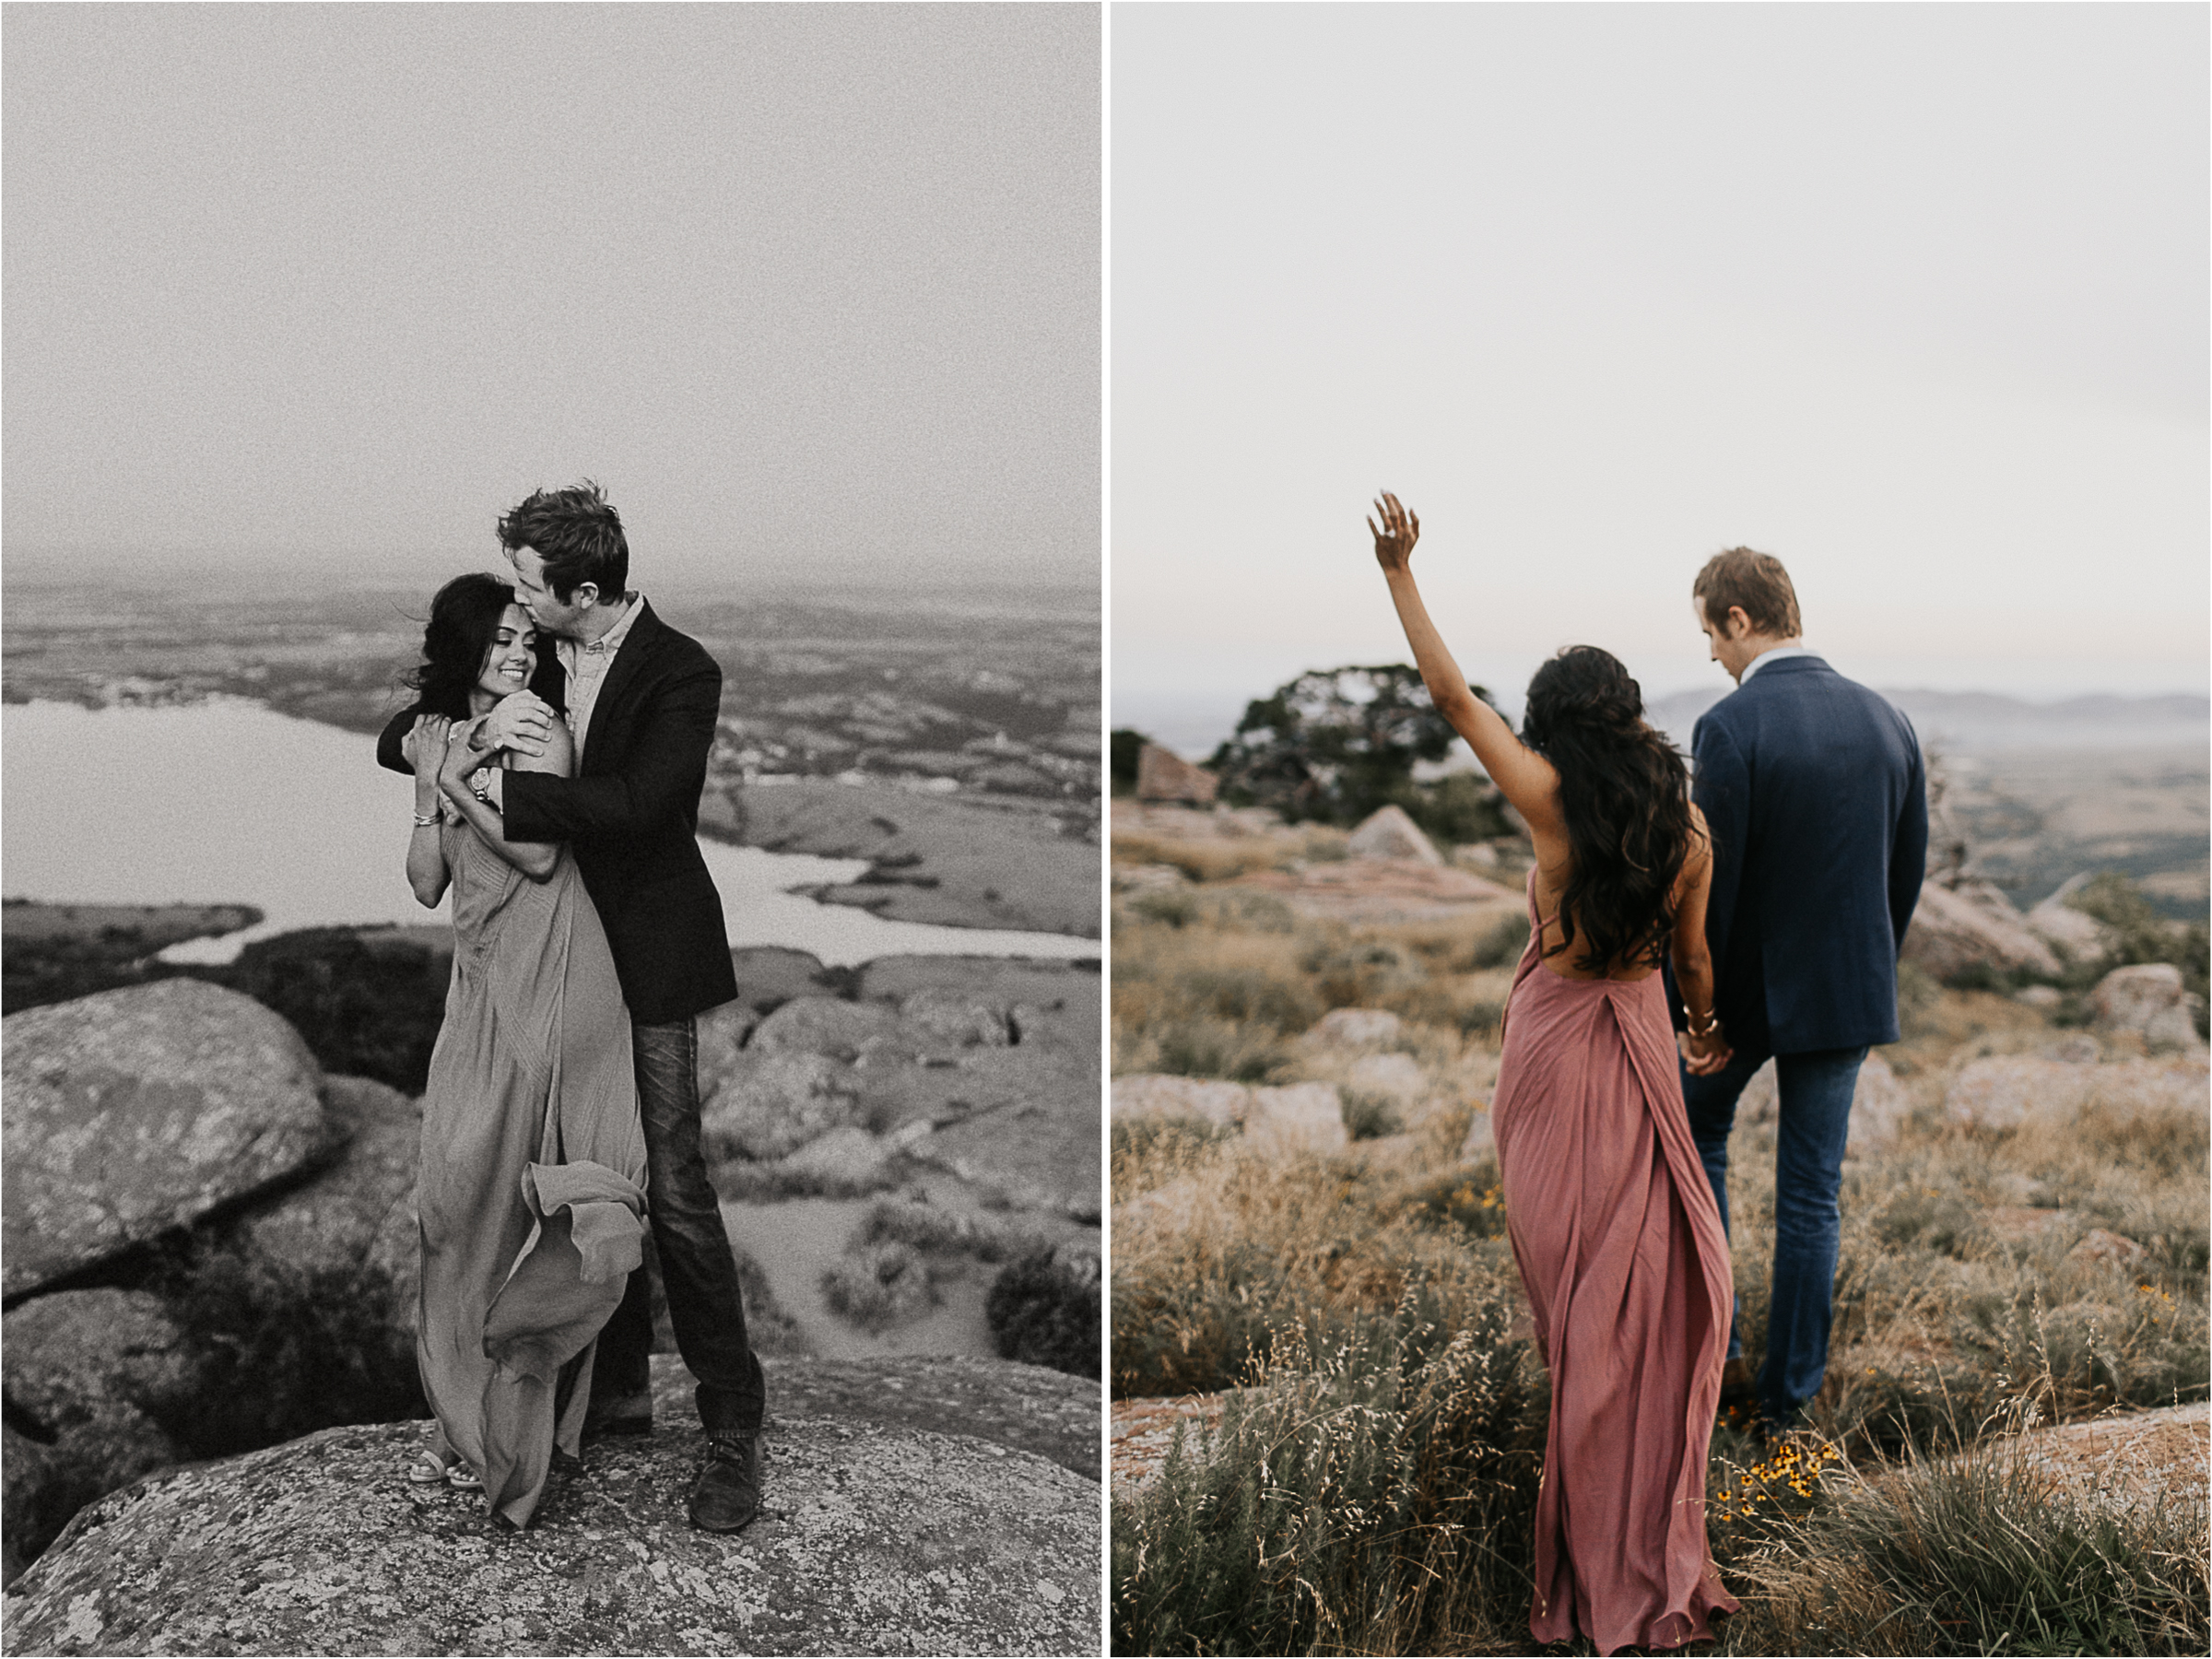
pixel 1612 1221
pixel 532 1182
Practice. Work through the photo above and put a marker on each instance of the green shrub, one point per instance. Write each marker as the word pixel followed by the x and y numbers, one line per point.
pixel 1370 1493
pixel 1502 944
pixel 1044 1311
pixel 1368 1116
pixel 878 1284
pixel 287 1350
pixel 1204 1046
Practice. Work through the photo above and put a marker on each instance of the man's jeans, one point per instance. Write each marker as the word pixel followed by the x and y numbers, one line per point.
pixel 1812 1120
pixel 697 1269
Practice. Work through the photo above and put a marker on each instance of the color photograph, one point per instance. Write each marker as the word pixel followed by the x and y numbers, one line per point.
pixel 1657 948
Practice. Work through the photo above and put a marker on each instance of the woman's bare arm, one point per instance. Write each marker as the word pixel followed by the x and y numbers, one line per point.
pixel 1524 776
pixel 533 859
pixel 424 747
pixel 1707 1052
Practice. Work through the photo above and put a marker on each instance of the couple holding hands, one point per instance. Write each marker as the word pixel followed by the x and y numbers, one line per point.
pixel 1684 929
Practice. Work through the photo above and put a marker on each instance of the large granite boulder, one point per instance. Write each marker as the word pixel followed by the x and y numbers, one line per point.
pixel 770 1103
pixel 1388 833
pixel 332 1219
pixel 1163 775
pixel 873 1538
pixel 72 1357
pixel 2004 1092
pixel 2149 1000
pixel 1294 1115
pixel 133 1112
pixel 2078 934
pixel 826 1026
pixel 91 1373
pixel 1951 933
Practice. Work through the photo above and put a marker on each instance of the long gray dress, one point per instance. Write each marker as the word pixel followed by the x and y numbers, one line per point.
pixel 532 1193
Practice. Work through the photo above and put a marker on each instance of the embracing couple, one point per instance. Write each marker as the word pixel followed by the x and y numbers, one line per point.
pixel 1773 886
pixel 559 743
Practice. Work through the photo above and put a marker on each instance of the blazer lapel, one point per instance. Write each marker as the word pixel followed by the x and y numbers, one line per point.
pixel 620 672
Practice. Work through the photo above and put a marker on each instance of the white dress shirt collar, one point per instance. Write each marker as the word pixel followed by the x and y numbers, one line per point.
pixel 1776 656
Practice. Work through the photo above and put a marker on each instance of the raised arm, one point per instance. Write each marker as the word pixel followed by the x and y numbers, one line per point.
pixel 423 747
pixel 658 780
pixel 1524 776
pixel 533 859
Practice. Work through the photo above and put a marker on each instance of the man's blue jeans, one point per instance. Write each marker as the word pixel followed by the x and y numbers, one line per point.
pixel 697 1268
pixel 1811 1123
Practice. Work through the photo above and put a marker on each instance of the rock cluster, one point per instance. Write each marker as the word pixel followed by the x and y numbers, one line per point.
pixel 984 1068
pixel 2009 1091
pixel 1163 775
pixel 909 1507
pixel 1305 1115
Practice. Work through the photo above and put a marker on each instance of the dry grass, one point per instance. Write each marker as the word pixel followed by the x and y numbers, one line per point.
pixel 1948 1316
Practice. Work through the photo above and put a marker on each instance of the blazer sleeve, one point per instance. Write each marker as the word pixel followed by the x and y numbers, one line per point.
pixel 387 743
pixel 658 778
pixel 1720 785
pixel 1909 845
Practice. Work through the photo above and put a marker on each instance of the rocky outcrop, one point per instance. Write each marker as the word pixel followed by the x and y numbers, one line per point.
pixel 1306 1114
pixel 2005 1092
pixel 1952 932
pixel 1880 1104
pixel 769 1104
pixel 331 1220
pixel 1163 775
pixel 1387 833
pixel 1357 1028
pixel 2150 1001
pixel 876 1536
pixel 137 1111
pixel 2075 933
pixel 90 1374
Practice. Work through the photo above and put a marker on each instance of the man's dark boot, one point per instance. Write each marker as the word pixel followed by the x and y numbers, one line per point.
pixel 620 1415
pixel 726 1496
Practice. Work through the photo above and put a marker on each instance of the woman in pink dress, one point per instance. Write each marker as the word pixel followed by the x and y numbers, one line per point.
pixel 1612 1221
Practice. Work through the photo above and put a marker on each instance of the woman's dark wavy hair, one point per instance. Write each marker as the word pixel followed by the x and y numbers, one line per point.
pixel 464 618
pixel 1625 794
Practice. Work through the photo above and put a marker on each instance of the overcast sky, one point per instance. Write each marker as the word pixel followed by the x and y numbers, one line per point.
pixel 810 289
pixel 1913 296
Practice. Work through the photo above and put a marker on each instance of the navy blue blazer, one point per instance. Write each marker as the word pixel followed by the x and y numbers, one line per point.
pixel 1818 801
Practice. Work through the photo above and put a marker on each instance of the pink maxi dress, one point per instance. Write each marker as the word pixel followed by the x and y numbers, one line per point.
pixel 1619 1245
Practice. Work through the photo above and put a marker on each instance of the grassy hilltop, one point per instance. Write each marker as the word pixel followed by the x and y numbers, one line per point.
pixel 1368 1484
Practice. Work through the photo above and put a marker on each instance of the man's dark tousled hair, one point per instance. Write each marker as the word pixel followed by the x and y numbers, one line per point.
pixel 464 619
pixel 1757 583
pixel 579 535
pixel 1625 794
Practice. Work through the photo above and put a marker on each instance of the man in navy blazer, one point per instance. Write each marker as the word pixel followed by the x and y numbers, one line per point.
pixel 641 700
pixel 1814 791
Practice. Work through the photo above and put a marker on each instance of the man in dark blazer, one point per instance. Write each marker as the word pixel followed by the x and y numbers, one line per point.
pixel 641 700
pixel 1815 794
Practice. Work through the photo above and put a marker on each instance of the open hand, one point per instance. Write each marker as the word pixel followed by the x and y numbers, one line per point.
pixel 1400 529
pixel 424 747
pixel 522 722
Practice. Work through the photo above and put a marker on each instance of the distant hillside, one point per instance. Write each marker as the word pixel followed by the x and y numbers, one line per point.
pixel 1969 721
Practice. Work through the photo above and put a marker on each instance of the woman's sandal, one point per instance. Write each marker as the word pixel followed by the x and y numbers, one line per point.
pixel 427 1471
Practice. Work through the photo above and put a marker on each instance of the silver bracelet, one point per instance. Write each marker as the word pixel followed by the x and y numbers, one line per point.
pixel 426 823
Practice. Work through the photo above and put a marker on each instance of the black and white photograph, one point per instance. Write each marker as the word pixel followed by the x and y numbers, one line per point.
pixel 554 815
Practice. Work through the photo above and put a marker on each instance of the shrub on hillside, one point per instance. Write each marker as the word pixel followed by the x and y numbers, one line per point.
pixel 1044 1311
pixel 368 1007
pixel 289 1350
pixel 1373 1492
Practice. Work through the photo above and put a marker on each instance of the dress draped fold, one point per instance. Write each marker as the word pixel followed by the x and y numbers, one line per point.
pixel 532 1191
pixel 1621 1249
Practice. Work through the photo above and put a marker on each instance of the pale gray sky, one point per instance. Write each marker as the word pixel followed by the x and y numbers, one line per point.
pixel 1912 295
pixel 812 290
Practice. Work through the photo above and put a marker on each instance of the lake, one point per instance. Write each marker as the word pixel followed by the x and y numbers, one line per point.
pixel 227 801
